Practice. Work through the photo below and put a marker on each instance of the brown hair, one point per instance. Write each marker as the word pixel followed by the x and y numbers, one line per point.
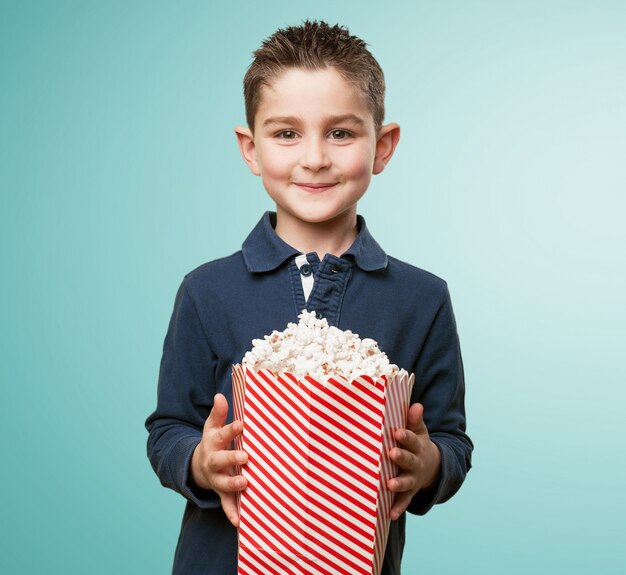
pixel 315 46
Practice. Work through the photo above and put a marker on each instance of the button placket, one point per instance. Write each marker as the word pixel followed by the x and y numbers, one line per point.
pixel 332 277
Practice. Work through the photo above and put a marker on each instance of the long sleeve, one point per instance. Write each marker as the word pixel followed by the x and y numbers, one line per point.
pixel 440 387
pixel 185 397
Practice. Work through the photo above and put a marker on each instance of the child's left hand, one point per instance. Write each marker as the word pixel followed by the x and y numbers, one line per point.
pixel 417 457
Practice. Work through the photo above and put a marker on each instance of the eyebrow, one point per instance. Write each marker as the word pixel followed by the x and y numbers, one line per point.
pixel 345 118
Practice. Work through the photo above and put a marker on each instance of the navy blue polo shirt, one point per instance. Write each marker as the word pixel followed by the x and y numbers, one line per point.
pixel 225 304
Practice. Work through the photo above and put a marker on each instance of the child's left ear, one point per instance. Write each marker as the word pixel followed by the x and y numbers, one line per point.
pixel 386 142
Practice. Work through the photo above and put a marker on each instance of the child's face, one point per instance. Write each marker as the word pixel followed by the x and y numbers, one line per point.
pixel 314 145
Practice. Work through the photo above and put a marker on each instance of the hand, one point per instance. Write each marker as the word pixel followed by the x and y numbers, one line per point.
pixel 213 461
pixel 417 457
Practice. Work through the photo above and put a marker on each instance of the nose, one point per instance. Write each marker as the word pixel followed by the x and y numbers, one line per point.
pixel 314 154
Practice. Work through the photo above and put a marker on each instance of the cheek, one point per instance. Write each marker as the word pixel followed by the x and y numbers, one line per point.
pixel 274 164
pixel 359 166
pixel 358 160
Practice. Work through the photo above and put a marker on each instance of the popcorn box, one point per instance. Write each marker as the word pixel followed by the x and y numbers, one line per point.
pixel 317 501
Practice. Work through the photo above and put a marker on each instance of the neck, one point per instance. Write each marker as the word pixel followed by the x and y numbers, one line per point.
pixel 330 237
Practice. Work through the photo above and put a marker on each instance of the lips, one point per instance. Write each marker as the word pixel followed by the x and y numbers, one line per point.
pixel 315 187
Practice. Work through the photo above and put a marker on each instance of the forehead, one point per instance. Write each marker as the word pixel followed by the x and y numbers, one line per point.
pixel 311 94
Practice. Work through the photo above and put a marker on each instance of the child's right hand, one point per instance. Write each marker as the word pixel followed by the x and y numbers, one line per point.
pixel 213 461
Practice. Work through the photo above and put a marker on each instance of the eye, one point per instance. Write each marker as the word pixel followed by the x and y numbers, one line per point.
pixel 287 135
pixel 339 134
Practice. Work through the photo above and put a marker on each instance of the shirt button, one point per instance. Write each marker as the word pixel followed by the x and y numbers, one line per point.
pixel 305 270
pixel 319 315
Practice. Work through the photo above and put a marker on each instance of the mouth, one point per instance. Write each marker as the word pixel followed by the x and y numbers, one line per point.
pixel 315 187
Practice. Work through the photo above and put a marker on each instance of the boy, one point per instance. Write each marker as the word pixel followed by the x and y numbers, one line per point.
pixel 314 106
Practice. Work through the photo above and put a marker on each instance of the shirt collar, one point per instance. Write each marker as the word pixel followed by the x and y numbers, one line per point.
pixel 365 250
pixel 264 251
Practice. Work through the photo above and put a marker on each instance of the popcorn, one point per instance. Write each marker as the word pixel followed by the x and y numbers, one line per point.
pixel 312 347
pixel 330 431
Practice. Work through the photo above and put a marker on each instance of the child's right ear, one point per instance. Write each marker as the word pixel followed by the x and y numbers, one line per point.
pixel 247 148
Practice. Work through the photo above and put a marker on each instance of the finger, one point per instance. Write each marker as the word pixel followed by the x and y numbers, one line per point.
pixel 400 504
pixel 402 484
pixel 415 419
pixel 228 483
pixel 229 505
pixel 404 458
pixel 408 440
pixel 226 458
pixel 222 437
pixel 219 413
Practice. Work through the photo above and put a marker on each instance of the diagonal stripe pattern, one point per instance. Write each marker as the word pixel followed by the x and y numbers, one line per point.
pixel 316 502
pixel 396 408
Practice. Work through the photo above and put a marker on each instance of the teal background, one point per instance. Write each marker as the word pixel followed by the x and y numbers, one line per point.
pixel 119 173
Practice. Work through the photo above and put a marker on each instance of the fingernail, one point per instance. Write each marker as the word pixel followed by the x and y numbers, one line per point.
pixel 241 458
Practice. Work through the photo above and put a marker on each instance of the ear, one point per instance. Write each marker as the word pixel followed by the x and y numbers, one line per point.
pixel 245 139
pixel 386 142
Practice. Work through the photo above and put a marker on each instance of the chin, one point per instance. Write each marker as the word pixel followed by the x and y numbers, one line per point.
pixel 321 217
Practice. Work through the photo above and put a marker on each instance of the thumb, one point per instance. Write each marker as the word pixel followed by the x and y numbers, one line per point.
pixel 219 413
pixel 415 420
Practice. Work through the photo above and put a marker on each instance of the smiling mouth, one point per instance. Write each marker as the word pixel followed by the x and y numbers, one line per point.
pixel 315 187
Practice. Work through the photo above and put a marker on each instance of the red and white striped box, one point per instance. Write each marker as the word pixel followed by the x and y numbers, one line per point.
pixel 317 501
